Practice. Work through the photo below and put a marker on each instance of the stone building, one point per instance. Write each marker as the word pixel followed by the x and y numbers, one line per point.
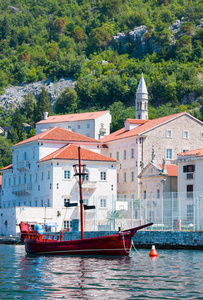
pixel 132 145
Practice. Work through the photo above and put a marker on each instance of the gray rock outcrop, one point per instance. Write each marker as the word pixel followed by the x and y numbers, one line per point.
pixel 13 95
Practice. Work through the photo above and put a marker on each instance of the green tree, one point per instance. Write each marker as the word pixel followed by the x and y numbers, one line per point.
pixel 5 152
pixel 67 102
pixel 28 107
pixel 43 105
pixel 17 133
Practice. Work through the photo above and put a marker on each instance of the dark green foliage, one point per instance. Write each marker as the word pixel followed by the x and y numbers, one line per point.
pixel 5 152
pixel 17 132
pixel 43 105
pixel 67 102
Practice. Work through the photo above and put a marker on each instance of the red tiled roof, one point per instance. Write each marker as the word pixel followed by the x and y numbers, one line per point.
pixel 196 152
pixel 7 167
pixel 172 170
pixel 73 117
pixel 121 133
pixel 70 151
pixel 137 121
pixel 59 134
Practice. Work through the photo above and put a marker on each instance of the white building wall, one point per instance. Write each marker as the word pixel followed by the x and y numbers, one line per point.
pixel 94 128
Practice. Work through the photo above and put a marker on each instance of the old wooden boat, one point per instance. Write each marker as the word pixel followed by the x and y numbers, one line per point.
pixel 116 244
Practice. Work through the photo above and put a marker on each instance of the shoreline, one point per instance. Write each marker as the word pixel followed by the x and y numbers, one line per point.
pixel 178 240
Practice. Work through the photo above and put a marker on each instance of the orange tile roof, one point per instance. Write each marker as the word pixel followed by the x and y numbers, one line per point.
pixel 172 170
pixel 121 133
pixel 73 117
pixel 70 151
pixel 196 152
pixel 59 134
pixel 7 167
pixel 137 121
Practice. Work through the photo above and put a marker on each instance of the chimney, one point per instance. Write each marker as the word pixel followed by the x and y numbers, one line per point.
pixel 45 115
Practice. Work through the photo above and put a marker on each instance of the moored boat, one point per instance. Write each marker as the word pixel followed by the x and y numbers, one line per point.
pixel 116 244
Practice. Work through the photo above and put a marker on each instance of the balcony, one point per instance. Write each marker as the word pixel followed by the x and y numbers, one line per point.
pixel 22 189
pixel 89 185
pixel 23 165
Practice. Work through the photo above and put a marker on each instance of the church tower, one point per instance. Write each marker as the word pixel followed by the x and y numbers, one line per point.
pixel 141 101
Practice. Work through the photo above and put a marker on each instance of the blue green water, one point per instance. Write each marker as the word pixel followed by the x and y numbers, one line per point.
pixel 173 275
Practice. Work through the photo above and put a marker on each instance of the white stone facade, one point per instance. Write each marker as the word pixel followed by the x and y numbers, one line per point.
pixel 35 191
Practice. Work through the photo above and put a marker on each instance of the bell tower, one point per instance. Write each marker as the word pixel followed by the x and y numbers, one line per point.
pixel 141 101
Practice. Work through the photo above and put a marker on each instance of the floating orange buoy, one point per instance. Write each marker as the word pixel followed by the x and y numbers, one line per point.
pixel 153 252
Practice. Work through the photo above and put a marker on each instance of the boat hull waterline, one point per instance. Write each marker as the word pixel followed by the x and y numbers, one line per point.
pixel 116 244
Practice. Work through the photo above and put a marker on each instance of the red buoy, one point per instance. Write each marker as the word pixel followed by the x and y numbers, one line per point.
pixel 153 252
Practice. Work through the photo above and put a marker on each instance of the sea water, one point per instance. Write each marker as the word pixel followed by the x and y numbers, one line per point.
pixel 175 274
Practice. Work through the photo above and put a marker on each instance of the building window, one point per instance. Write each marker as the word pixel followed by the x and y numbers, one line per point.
pixel 69 127
pixel 124 177
pixel 103 175
pixel 185 134
pixel 184 150
pixel 25 155
pixel 117 156
pixel 33 154
pixel 132 176
pixel 48 175
pixel 42 203
pixel 66 201
pixel 110 155
pixel 66 174
pixel 36 177
pixel 124 154
pixel 48 203
pixel 158 193
pixel 88 125
pixel 132 153
pixel 86 176
pixel 102 202
pixel 35 203
pixel 189 169
pixel 9 181
pixel 168 134
pixel 201 135
pixel 50 186
pixel 117 178
pixel 190 213
pixel 30 178
pixel 14 181
pixel 42 176
pixel 67 224
pixel 145 195
pixel 78 127
pixel 38 187
pixel 19 180
pixel 5 182
pixel 168 153
pixel 57 186
pixel 25 178
pixel 86 201
pixel 189 190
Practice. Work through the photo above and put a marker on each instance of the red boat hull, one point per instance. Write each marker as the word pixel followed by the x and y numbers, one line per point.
pixel 116 244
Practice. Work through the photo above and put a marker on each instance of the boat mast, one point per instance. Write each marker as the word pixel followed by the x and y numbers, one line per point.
pixel 81 196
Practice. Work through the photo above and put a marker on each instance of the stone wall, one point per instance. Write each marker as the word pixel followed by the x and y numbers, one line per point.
pixel 161 239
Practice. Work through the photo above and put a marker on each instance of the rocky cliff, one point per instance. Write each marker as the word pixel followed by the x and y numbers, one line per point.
pixel 13 95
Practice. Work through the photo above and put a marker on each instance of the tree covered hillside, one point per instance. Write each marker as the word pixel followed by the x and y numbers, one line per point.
pixel 59 38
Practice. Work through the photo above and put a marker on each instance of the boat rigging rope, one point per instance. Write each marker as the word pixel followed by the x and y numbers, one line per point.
pixel 133 246
pixel 124 243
